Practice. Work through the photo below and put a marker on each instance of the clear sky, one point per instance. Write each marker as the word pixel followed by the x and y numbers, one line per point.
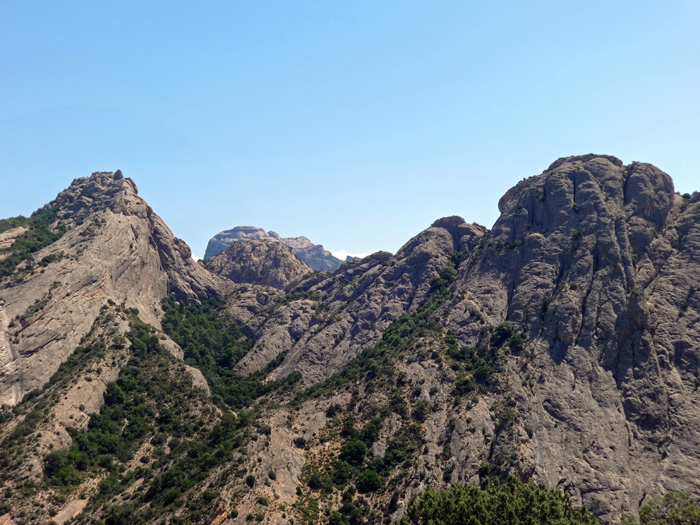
pixel 355 123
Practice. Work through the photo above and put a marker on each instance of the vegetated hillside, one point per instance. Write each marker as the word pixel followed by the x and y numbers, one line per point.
pixel 562 346
pixel 313 255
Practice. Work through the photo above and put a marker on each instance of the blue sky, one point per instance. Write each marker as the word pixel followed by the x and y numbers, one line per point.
pixel 356 123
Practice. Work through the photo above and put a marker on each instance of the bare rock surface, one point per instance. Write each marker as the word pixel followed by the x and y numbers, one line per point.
pixel 313 255
pixel 268 263
pixel 10 236
pixel 598 261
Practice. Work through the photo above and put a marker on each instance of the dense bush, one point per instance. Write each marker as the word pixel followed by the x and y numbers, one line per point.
pixel 214 344
pixel 353 451
pixel 37 237
pixel 673 508
pixel 512 503
pixel 368 481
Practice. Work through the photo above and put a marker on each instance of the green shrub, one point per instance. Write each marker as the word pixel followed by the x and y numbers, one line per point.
pixel 673 508
pixel 368 481
pixel 38 236
pixel 353 451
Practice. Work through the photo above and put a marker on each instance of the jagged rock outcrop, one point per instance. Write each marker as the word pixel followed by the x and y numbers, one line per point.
pixel 115 248
pixel 596 260
pixel 263 262
pixel 313 255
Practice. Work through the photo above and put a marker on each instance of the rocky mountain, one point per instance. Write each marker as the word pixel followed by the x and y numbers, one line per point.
pixel 260 261
pixel 109 246
pixel 313 255
pixel 562 346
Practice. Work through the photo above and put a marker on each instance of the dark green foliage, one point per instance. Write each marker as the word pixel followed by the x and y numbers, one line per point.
pixel 332 410
pixel 370 432
pixel 465 385
pixel 511 503
pixel 404 443
pixel 368 481
pixel 37 237
pixel 320 481
pixel 152 400
pixel 350 512
pixel 673 508
pixel 124 419
pixel 342 472
pixel 16 222
pixel 485 360
pixel 26 427
pixel 214 344
pixel 353 451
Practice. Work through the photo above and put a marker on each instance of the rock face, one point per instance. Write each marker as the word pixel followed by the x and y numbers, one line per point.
pixel 264 262
pixel 313 255
pixel 598 261
pixel 115 248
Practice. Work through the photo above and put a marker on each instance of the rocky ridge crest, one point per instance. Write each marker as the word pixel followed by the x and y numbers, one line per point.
pixel 562 345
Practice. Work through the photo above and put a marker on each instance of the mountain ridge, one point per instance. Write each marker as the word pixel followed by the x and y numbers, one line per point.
pixel 561 345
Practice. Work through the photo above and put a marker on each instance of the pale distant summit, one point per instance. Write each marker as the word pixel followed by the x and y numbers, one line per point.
pixel 313 255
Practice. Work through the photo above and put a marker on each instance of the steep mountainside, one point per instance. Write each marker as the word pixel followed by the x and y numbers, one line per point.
pixel 340 314
pixel 313 255
pixel 109 246
pixel 260 261
pixel 561 346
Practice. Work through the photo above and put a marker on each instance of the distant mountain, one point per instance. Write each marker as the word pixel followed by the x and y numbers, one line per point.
pixel 259 261
pixel 313 255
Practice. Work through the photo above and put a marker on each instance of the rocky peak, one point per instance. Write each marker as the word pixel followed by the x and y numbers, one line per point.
pixel 259 261
pixel 465 236
pixel 584 256
pixel 313 255
pixel 103 189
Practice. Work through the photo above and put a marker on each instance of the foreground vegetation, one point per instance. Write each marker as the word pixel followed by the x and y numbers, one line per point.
pixel 673 508
pixel 493 503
